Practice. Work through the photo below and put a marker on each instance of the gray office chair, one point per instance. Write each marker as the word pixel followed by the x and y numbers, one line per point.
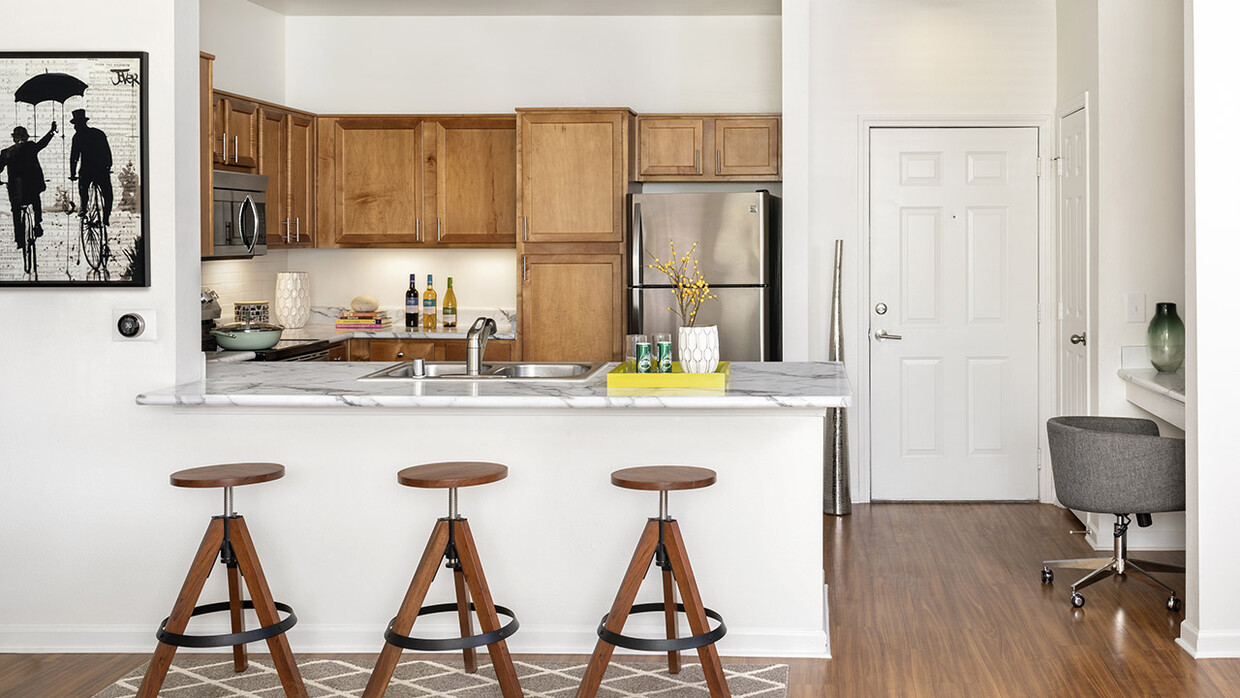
pixel 1120 466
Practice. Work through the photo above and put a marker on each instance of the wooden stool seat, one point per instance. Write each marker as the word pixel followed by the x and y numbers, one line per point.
pixel 452 474
pixel 227 475
pixel 663 477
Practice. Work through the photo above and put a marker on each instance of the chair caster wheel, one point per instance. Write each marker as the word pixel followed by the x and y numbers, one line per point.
pixel 1077 600
pixel 1173 604
pixel 1047 576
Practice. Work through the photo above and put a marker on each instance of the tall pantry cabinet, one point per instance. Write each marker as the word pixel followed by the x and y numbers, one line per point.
pixel 573 171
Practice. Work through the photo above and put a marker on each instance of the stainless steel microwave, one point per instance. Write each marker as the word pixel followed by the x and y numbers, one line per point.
pixel 240 216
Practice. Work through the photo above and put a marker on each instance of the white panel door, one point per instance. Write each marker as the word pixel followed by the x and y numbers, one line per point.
pixel 1073 167
pixel 953 276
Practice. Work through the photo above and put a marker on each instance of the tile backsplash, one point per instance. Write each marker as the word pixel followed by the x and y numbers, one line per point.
pixel 241 280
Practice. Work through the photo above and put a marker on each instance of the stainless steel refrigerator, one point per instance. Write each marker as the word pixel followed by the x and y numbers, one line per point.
pixel 738 253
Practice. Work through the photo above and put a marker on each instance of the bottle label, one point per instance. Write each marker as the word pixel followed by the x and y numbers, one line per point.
pixel 449 316
pixel 665 357
pixel 429 304
pixel 643 357
pixel 411 305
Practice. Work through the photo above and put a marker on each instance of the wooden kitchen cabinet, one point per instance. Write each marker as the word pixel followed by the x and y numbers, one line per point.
pixel 401 350
pixel 572 307
pixel 286 156
pixel 235 138
pixel 339 351
pixel 206 127
pixel 497 350
pixel 708 147
pixel 573 169
pixel 417 181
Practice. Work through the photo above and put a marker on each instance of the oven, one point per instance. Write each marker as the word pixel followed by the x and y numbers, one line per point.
pixel 239 226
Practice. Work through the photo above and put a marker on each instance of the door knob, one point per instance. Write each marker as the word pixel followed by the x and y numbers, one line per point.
pixel 1077 338
pixel 882 334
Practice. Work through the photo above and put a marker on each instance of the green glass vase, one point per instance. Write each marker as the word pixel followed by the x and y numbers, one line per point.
pixel 1166 339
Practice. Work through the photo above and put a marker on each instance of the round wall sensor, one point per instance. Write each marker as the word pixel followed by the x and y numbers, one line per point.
pixel 130 325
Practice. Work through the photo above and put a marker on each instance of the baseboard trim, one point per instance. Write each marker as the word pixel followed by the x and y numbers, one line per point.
pixel 1208 645
pixel 1188 638
pixel 530 639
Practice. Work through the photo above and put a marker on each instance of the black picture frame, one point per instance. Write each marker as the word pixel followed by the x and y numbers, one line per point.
pixel 99 101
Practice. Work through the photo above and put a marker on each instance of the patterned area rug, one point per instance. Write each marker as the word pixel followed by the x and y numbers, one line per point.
pixel 213 677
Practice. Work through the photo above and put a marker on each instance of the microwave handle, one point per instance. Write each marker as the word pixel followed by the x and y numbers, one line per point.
pixel 248 202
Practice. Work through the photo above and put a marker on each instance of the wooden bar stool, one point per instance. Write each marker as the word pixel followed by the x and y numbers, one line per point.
pixel 450 540
pixel 228 536
pixel 662 542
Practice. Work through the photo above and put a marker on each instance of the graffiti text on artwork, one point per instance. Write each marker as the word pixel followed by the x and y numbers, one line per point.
pixel 122 76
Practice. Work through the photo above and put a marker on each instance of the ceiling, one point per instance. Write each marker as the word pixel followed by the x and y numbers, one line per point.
pixel 624 8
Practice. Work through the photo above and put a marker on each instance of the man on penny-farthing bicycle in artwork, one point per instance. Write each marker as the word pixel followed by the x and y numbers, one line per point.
pixel 25 181
pixel 90 148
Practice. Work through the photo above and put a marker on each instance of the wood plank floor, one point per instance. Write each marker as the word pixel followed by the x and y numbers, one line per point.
pixel 926 600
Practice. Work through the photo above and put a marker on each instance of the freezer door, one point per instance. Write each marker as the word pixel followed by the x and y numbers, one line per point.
pixel 740 314
pixel 730 229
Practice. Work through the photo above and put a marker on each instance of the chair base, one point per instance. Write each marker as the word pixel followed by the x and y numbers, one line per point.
pixel 227 639
pixel 1117 564
pixel 424 644
pixel 677 644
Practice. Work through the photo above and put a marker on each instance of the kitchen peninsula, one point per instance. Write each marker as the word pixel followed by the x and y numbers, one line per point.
pixel 555 534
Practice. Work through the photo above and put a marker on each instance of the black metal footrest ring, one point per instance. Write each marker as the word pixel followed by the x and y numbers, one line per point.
pixel 424 644
pixel 659 644
pixel 228 639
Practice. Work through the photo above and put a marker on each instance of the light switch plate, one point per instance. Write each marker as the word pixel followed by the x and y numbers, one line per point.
pixel 1135 308
pixel 145 325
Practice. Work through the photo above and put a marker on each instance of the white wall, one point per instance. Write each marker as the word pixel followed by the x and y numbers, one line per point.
pixel 902 58
pixel 248 44
pixel 1212 624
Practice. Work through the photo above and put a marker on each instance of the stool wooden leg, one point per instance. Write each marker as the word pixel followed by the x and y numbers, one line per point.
pixel 509 686
pixel 265 608
pixel 669 614
pixel 620 609
pixel 183 607
pixel 467 623
pixel 240 661
pixel 422 578
pixel 694 609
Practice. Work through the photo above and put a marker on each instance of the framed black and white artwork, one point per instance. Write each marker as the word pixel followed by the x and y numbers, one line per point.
pixel 73 163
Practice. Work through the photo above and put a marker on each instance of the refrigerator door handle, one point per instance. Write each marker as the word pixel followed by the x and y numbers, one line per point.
pixel 635 311
pixel 635 247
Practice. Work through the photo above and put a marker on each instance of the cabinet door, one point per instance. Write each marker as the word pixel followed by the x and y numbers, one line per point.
pixel 273 162
pixel 377 193
pixel 401 349
pixel 571 307
pixel 338 351
pixel 497 350
pixel 671 146
pixel 747 146
pixel 470 192
pixel 239 132
pixel 301 180
pixel 206 126
pixel 573 176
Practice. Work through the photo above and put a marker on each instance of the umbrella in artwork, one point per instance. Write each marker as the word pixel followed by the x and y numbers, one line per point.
pixel 56 87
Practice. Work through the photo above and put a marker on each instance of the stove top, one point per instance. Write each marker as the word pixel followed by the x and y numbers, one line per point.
pixel 294 350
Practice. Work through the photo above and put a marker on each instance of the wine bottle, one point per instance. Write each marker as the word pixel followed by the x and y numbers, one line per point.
pixel 412 321
pixel 428 305
pixel 449 308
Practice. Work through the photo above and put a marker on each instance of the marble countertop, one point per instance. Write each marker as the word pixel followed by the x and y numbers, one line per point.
pixel 752 385
pixel 1168 384
pixel 332 335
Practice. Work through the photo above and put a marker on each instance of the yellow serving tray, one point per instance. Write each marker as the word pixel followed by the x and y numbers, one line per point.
pixel 621 377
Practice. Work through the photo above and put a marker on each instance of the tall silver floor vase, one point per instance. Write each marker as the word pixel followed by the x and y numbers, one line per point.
pixel 836 495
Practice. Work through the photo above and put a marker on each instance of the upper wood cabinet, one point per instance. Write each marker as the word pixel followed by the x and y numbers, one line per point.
pixel 573 168
pixel 235 138
pixel 286 156
pixel 703 147
pixel 206 126
pixel 416 181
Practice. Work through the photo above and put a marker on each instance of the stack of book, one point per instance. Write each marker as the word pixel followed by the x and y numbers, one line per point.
pixel 363 320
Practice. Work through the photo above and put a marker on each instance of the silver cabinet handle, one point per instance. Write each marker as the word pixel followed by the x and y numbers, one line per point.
pixel 298 229
pixel 438 230
pixel 224 146
pixel 236 148
pixel 417 229
pixel 525 268
pixel 697 160
pixel 287 238
pixel 525 222
pixel 882 334
pixel 718 162
pixel 1077 338
pixel 400 354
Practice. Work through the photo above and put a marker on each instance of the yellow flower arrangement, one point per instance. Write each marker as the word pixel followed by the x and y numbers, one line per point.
pixel 688 285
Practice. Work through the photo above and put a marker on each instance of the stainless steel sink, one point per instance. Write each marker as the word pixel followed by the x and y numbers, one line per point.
pixel 571 371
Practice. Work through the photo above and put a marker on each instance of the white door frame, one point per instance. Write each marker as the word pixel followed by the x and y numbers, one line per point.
pixel 1048 379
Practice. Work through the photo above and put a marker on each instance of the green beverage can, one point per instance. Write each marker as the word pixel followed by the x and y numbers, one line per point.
pixel 665 355
pixel 643 357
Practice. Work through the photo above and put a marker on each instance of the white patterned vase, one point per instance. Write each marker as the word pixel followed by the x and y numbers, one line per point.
pixel 699 349
pixel 292 306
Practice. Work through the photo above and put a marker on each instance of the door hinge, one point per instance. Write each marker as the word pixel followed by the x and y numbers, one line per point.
pixel 1039 172
pixel 1060 310
pixel 1039 458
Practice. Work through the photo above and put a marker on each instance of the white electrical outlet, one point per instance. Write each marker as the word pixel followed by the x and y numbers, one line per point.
pixel 133 325
pixel 1135 308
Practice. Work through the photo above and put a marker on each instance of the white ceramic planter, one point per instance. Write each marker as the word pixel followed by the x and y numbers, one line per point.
pixel 699 349
pixel 292 306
